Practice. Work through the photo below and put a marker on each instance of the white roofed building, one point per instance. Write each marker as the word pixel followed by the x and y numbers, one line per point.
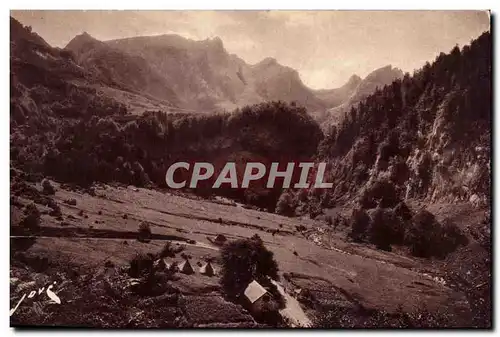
pixel 254 292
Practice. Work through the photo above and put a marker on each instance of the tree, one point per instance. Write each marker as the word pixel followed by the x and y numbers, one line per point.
pixel 401 210
pixel 382 192
pixel 245 260
pixel 144 232
pixel 47 187
pixel 286 205
pixel 31 220
pixel 381 234
pixel 423 236
pixel 360 221
pixel 141 264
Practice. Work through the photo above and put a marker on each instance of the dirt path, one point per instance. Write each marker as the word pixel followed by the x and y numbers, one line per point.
pixel 197 244
pixel 293 310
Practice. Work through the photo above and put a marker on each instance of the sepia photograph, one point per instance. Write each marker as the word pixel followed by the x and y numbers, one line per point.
pixel 236 169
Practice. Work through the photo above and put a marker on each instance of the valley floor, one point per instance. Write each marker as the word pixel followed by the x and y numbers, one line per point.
pixel 89 249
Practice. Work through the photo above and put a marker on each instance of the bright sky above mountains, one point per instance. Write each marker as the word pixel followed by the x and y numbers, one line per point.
pixel 326 47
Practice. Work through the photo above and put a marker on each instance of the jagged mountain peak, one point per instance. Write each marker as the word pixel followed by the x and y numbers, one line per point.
pixel 268 61
pixel 354 80
pixel 270 65
pixel 384 74
pixel 84 37
pixel 83 40
pixel 85 34
pixel 217 41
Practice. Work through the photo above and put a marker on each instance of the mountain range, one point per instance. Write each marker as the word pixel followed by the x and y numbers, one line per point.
pixel 203 76
pixel 343 99
pixel 447 100
pixel 170 72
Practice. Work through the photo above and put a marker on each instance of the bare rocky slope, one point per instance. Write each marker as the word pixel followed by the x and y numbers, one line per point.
pixel 118 68
pixel 201 74
pixel 172 73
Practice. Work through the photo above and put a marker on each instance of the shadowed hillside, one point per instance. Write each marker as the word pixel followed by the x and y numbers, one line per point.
pixel 118 68
pixel 359 90
pixel 47 82
pixel 425 136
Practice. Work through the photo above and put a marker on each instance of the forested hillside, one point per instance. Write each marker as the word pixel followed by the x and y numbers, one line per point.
pixel 425 137
pixel 63 127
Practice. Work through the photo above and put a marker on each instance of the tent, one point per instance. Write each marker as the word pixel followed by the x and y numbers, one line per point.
pixel 185 267
pixel 207 269
pixel 162 264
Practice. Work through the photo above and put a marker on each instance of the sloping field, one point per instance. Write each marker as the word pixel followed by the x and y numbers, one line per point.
pixel 103 227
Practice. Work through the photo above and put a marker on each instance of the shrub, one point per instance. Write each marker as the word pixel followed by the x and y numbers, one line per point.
pixel 31 218
pixel 337 317
pixel 402 211
pixel 345 317
pixel 314 210
pixel 167 251
pixel 245 260
pixel 15 201
pixel 286 205
pixel 144 232
pixel 71 202
pixel 186 256
pixel 91 191
pixel 55 209
pixel 48 189
pixel 300 228
pixel 452 237
pixel 141 264
pixel 424 234
pixel 55 212
pixel 399 171
pixel 360 221
pixel 381 233
pixel 155 284
pixel 381 193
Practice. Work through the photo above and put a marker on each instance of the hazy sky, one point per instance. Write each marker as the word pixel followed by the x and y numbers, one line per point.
pixel 326 47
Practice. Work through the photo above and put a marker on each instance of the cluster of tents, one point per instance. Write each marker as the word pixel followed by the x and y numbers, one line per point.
pixel 185 267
